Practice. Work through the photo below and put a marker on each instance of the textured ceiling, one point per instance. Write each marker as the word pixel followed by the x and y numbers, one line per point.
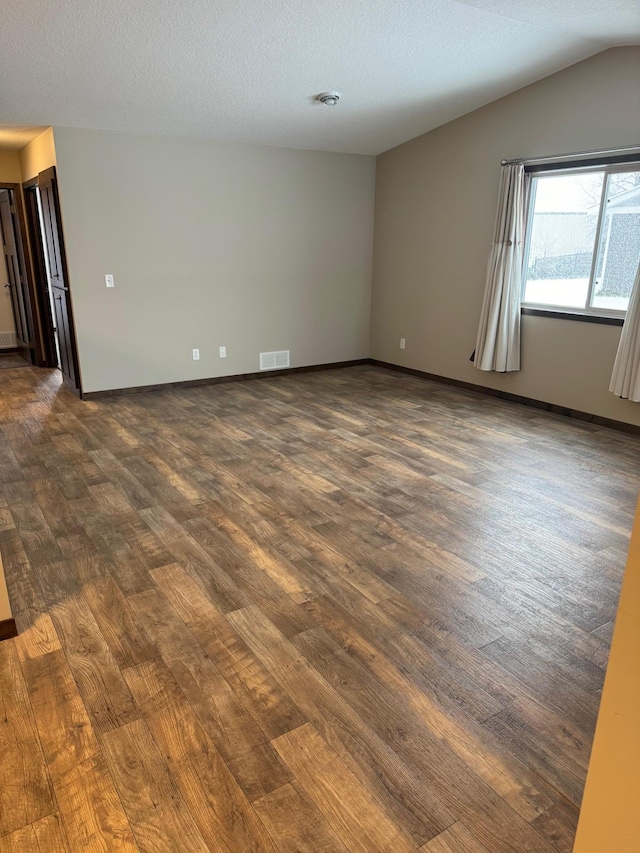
pixel 15 137
pixel 247 70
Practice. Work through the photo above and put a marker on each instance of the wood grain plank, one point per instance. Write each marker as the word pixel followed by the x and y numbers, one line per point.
pixel 418 747
pixel 36 536
pixel 295 823
pixel 23 584
pixel 90 810
pixel 525 791
pixel 216 801
pixel 559 759
pixel 94 668
pixel 236 735
pixel 259 692
pixel 25 794
pixel 263 550
pixel 407 796
pixel 420 659
pixel 123 634
pixel 349 808
pixel 559 824
pixel 190 554
pixel 39 638
pixel 50 835
pixel 456 839
pixel 159 817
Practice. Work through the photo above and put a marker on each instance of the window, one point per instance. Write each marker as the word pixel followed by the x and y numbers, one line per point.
pixel 583 240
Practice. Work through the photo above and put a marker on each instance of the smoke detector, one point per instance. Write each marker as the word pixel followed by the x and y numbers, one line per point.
pixel 329 98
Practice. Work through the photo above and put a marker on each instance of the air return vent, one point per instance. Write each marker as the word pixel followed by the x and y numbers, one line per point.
pixel 7 339
pixel 274 360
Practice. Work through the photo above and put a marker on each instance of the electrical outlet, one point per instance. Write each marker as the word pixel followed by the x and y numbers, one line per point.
pixel 402 343
pixel 108 280
pixel 196 354
pixel 223 352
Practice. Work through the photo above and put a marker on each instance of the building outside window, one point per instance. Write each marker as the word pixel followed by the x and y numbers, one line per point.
pixel 583 239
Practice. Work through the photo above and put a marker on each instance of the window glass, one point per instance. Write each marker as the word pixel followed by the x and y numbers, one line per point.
pixel 562 239
pixel 619 246
pixel 583 242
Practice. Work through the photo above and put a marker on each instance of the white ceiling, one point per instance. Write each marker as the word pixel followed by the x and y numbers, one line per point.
pixel 247 70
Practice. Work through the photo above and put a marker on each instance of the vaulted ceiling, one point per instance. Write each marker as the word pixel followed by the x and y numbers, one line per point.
pixel 248 70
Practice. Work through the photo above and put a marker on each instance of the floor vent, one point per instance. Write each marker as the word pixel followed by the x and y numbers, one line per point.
pixel 274 360
pixel 7 339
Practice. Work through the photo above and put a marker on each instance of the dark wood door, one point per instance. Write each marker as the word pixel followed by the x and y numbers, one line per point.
pixel 17 284
pixel 46 354
pixel 52 227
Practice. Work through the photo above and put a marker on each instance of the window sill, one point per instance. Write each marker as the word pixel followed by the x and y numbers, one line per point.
pixel 568 315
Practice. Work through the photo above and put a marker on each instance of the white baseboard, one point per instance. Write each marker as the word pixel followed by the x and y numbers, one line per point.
pixel 7 340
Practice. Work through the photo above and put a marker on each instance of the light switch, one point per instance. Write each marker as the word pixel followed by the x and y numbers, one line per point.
pixel 108 280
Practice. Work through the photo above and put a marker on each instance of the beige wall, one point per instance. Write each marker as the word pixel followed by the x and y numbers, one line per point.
pixel 609 817
pixel 436 198
pixel 38 155
pixel 252 248
pixel 10 172
pixel 5 607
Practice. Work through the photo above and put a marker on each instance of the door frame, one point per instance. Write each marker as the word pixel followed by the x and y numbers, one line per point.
pixel 47 354
pixel 51 176
pixel 23 248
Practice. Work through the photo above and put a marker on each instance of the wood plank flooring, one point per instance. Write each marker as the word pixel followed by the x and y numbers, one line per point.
pixel 341 611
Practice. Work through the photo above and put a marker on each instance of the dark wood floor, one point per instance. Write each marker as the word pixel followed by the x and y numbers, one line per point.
pixel 341 611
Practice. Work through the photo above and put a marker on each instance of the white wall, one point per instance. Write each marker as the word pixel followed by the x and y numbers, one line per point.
pixel 436 198
pixel 253 248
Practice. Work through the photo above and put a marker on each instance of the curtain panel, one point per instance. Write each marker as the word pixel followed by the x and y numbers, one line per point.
pixel 625 381
pixel 498 342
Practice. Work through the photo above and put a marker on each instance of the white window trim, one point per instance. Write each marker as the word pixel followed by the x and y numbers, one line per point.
pixel 588 310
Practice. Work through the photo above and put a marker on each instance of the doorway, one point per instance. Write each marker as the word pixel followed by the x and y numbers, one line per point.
pixel 17 283
pixel 44 298
pixel 51 280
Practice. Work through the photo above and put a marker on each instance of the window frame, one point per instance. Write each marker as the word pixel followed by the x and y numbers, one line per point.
pixel 588 312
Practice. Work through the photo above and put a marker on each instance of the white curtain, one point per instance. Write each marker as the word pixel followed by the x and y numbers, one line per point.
pixel 498 343
pixel 625 381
